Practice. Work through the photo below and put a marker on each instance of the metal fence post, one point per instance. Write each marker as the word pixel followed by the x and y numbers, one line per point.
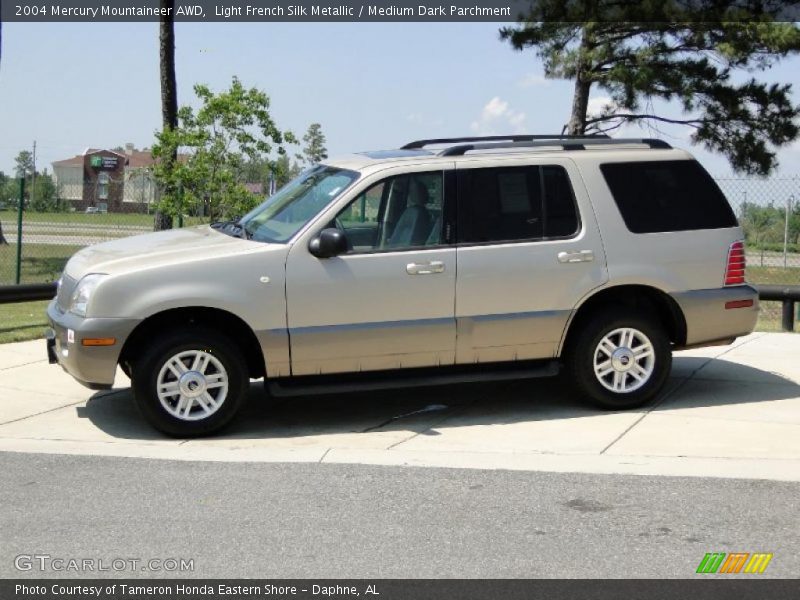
pixel 19 228
pixel 786 228
pixel 787 321
pixel 180 205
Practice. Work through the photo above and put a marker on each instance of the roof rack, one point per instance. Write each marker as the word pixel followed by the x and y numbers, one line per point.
pixel 575 144
pixel 418 144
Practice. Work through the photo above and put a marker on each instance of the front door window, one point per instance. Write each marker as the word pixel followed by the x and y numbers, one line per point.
pixel 397 213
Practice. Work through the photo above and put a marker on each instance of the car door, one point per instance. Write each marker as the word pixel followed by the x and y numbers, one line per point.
pixel 389 301
pixel 528 250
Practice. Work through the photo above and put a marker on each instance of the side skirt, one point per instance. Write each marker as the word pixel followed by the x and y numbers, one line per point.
pixel 409 378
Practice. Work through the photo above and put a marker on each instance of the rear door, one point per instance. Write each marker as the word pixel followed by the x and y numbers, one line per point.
pixel 528 250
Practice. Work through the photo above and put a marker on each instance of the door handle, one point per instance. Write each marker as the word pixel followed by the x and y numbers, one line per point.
pixel 425 268
pixel 576 257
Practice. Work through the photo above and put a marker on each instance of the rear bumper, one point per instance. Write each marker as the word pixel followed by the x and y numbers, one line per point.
pixel 93 366
pixel 708 321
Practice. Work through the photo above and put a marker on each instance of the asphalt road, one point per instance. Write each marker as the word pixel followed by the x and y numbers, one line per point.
pixel 325 521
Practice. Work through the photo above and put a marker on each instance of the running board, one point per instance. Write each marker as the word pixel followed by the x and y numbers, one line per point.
pixel 292 387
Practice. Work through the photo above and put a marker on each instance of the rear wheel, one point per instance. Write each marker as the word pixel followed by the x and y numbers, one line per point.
pixel 190 382
pixel 620 359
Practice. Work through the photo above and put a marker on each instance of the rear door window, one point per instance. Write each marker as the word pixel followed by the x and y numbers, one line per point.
pixel 508 204
pixel 675 195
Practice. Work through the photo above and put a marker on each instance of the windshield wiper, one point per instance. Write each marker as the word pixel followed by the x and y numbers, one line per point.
pixel 233 227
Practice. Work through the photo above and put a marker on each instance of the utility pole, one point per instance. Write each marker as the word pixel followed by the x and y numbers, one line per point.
pixel 744 205
pixel 33 176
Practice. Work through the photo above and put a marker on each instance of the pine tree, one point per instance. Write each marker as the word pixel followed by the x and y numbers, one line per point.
pixel 314 150
pixel 637 52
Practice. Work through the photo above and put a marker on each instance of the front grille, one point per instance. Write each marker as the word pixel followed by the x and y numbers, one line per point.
pixel 65 291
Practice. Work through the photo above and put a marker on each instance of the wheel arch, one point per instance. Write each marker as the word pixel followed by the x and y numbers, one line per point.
pixel 214 318
pixel 643 297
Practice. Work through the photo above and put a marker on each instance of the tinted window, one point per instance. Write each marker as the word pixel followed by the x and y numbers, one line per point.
pixel 667 196
pixel 515 203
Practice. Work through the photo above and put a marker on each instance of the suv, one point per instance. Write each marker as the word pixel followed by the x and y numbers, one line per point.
pixel 447 260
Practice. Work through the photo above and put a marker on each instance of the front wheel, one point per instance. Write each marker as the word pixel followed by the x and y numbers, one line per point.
pixel 190 382
pixel 620 359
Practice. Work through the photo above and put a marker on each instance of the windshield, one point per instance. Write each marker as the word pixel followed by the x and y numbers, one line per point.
pixel 282 215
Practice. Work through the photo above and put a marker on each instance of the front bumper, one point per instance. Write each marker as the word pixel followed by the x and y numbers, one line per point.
pixel 93 366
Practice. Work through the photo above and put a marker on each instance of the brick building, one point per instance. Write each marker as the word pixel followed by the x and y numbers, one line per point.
pixel 107 179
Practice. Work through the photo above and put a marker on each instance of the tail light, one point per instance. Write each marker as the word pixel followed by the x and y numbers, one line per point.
pixel 734 271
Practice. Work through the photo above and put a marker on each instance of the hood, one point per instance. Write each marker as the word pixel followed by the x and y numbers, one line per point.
pixel 154 249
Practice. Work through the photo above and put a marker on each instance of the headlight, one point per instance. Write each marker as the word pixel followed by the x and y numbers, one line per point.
pixel 83 292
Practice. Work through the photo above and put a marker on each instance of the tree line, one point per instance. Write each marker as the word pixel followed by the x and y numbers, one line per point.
pixel 766 226
pixel 41 198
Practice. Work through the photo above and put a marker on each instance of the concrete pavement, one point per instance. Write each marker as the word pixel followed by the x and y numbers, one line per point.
pixel 731 411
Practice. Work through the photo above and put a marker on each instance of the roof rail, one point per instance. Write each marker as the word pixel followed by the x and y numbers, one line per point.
pixel 416 145
pixel 577 143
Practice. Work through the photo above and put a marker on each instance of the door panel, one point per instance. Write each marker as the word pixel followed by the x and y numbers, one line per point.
pixel 367 312
pixel 378 307
pixel 514 298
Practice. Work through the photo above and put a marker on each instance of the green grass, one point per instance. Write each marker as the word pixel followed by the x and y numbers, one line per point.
pixel 41 263
pixel 9 218
pixel 769 317
pixel 773 275
pixel 23 321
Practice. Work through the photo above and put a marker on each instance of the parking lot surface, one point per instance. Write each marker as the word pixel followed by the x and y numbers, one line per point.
pixel 729 411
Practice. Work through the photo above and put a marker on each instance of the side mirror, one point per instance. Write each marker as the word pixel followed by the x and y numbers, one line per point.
pixel 329 243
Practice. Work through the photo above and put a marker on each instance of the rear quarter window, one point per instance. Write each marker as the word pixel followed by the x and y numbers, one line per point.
pixel 660 196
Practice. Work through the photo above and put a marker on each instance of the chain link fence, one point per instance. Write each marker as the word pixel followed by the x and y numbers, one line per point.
pixel 769 212
pixel 82 213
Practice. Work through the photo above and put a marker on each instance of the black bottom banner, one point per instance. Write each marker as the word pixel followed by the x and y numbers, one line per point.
pixel 399 589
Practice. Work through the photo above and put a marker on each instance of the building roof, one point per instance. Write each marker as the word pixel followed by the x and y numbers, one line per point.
pixel 140 158
pixel 136 159
pixel 75 161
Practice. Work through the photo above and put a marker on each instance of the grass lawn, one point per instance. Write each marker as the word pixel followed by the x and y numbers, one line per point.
pixel 773 275
pixel 9 219
pixel 41 263
pixel 24 321
pixel 769 318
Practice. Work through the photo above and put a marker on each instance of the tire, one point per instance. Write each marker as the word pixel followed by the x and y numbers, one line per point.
pixel 126 368
pixel 629 373
pixel 211 388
